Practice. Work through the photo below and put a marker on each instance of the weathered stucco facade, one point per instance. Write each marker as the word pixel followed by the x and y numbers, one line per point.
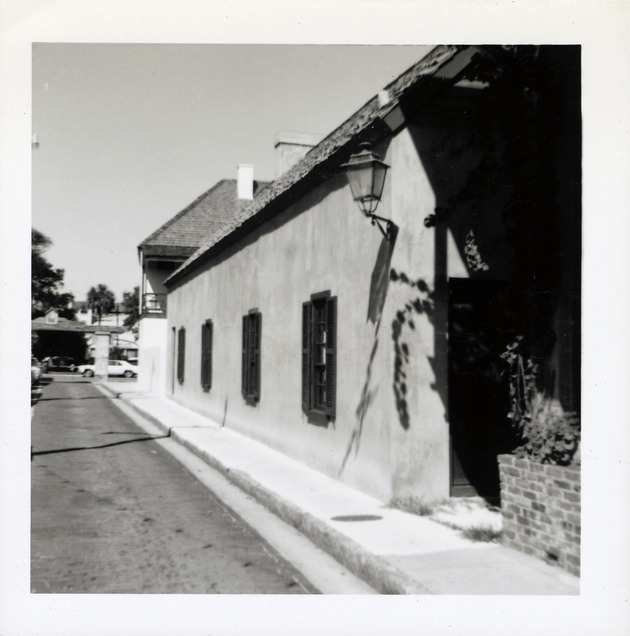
pixel 401 304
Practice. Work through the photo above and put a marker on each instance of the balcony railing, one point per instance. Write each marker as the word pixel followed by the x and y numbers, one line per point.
pixel 154 305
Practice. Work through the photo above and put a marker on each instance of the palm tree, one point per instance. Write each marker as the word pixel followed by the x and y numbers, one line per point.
pixel 131 307
pixel 100 300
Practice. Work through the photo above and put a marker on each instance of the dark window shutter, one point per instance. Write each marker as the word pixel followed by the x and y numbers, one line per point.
pixel 307 320
pixel 210 346
pixel 181 350
pixel 245 357
pixel 206 355
pixel 255 391
pixel 203 355
pixel 331 356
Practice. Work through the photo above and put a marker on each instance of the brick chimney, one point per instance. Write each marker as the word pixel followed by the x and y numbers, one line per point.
pixel 245 181
pixel 291 147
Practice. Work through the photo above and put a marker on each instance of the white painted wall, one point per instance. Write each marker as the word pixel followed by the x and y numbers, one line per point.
pixel 152 355
pixel 324 243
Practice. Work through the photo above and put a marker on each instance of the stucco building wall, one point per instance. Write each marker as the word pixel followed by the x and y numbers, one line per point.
pixel 152 358
pixel 321 243
pixel 390 436
pixel 393 431
pixel 155 272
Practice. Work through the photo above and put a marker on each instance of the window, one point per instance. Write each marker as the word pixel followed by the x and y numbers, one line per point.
pixel 181 352
pixel 206 355
pixel 251 356
pixel 319 326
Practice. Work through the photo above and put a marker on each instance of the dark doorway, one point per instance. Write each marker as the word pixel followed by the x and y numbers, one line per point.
pixel 480 328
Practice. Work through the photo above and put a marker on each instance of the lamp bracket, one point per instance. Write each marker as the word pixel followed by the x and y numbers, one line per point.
pixel 388 230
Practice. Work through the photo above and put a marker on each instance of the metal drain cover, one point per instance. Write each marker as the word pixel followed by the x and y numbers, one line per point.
pixel 356 518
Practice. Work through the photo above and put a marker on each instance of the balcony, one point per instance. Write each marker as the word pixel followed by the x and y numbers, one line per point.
pixel 154 305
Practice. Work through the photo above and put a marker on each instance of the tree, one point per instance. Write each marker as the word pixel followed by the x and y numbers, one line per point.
pixel 47 281
pixel 532 94
pixel 131 307
pixel 101 301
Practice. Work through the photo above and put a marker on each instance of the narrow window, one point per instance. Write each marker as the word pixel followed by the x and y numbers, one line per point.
pixel 181 353
pixel 251 356
pixel 319 326
pixel 206 355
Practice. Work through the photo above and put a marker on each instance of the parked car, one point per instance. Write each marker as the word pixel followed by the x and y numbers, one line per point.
pixel 119 368
pixel 36 369
pixel 57 363
pixel 36 385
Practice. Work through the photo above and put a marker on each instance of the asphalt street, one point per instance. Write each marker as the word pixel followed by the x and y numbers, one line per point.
pixel 112 512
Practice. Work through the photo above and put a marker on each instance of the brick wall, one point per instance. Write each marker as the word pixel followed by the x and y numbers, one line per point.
pixel 540 504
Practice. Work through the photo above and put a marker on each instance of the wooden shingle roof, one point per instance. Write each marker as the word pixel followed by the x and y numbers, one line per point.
pixel 197 223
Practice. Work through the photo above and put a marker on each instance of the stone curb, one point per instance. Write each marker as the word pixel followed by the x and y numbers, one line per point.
pixel 374 570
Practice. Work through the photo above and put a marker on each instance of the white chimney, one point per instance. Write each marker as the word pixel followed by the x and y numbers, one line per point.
pixel 245 181
pixel 291 147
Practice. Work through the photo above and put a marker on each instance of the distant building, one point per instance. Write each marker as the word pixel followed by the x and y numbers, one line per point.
pixel 124 342
pixel 378 361
pixel 166 249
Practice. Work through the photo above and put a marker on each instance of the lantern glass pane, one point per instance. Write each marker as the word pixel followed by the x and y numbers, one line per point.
pixel 360 182
pixel 380 170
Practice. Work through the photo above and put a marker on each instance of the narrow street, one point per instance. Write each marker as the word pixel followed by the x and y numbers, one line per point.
pixel 112 512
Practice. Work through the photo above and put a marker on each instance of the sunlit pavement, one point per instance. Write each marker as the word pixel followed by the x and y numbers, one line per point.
pixel 394 551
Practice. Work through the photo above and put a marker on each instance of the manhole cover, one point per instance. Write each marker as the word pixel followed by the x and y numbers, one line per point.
pixel 357 518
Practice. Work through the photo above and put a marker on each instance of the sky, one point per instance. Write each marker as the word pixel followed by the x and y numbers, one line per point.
pixel 129 134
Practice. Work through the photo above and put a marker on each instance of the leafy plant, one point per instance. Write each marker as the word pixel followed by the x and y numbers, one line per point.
pixel 473 257
pixel 414 505
pixel 550 435
pixel 523 372
pixel 485 533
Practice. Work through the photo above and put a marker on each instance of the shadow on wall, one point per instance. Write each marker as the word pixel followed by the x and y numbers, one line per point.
pixel 490 163
pixel 447 174
pixel 378 294
pixel 422 300
pixel 380 278
pixel 225 412
pixel 421 304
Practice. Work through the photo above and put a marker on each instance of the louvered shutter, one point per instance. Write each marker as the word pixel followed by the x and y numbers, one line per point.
pixel 245 357
pixel 331 356
pixel 204 356
pixel 181 350
pixel 209 354
pixel 307 321
pixel 257 320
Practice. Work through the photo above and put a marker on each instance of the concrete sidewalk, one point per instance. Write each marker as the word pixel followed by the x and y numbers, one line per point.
pixel 394 551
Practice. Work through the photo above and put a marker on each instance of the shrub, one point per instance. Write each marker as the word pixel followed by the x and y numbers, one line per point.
pixel 550 435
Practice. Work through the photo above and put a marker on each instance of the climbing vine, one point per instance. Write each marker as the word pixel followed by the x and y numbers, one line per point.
pixel 473 257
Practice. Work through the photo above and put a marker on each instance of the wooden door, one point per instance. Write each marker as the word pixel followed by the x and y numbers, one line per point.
pixel 480 328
